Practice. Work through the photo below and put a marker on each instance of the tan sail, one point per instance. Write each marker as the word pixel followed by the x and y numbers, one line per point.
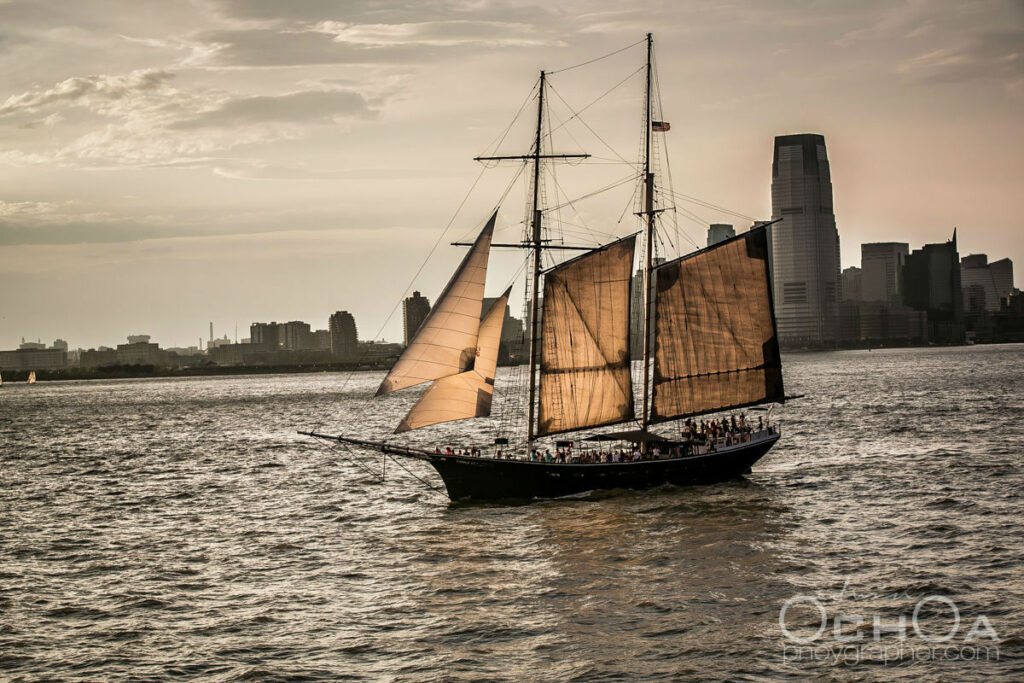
pixel 467 394
pixel 584 365
pixel 445 343
pixel 716 345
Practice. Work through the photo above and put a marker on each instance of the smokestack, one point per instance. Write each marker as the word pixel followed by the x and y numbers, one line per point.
pixel 211 332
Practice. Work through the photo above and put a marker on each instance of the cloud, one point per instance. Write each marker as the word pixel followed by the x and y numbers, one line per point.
pixel 147 122
pixel 297 107
pixel 89 90
pixel 26 209
pixel 989 56
pixel 371 11
pixel 333 42
pixel 432 33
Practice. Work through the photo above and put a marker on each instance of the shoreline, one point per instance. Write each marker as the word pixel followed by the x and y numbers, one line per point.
pixel 150 371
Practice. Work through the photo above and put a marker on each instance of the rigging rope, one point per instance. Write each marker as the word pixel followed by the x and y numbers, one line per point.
pixel 597 59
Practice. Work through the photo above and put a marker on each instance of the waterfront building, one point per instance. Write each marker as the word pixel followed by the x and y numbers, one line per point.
pixel 266 335
pixel 414 311
pixel 296 335
pixel 320 340
pixel 985 284
pixel 344 337
pixel 35 357
pixel 931 281
pixel 719 232
pixel 852 279
pixel 882 271
pixel 804 246
pixel 140 352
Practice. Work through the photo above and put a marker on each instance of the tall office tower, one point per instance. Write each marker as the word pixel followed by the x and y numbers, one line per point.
pixel 344 339
pixel 805 244
pixel 882 271
pixel 931 283
pixel 414 312
pixel 719 232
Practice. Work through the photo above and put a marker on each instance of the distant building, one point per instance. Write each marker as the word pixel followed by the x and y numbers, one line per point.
pixel 140 352
pixel 879 322
pixel 414 312
pixel 344 338
pixel 637 311
pixel 719 232
pixel 882 271
pixel 321 340
pixel 931 281
pixel 96 358
pixel 214 343
pixel 31 346
pixel 804 249
pixel 296 335
pixel 59 344
pixel 985 284
pixel 35 357
pixel 377 351
pixel 138 338
pixel 265 335
pixel 851 278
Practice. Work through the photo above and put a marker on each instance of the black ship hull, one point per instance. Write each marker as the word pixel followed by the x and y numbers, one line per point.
pixel 489 479
pixel 482 479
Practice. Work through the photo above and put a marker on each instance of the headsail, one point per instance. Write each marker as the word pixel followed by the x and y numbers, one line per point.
pixel 467 394
pixel 445 343
pixel 585 367
pixel 716 345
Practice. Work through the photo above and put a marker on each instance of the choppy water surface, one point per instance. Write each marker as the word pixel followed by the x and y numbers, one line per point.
pixel 180 529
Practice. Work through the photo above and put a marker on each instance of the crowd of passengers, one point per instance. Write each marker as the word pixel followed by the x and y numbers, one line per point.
pixel 705 436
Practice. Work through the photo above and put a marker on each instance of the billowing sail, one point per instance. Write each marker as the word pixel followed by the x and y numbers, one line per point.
pixel 467 394
pixel 445 343
pixel 584 359
pixel 716 345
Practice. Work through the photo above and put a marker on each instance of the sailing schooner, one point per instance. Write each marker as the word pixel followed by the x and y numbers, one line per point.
pixel 709 344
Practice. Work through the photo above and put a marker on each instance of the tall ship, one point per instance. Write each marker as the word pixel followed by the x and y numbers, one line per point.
pixel 708 345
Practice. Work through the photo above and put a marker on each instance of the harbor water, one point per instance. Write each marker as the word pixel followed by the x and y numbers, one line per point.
pixel 181 529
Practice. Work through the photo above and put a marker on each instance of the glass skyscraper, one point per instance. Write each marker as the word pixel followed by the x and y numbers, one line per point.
pixel 805 244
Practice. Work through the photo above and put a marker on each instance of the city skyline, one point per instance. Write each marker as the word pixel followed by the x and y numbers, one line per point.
pixel 155 179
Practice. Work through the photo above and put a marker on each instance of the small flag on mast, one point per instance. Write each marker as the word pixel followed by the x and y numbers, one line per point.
pixel 660 126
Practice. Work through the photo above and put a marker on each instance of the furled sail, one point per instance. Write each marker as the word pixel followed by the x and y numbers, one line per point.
pixel 584 360
pixel 716 345
pixel 467 394
pixel 445 343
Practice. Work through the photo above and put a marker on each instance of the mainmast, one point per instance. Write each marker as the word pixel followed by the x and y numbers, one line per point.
pixel 537 246
pixel 648 238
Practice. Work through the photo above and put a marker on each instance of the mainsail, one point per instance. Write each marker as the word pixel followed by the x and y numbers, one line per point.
pixel 467 394
pixel 716 345
pixel 445 343
pixel 584 359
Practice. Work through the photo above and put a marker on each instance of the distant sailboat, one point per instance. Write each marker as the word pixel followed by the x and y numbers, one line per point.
pixel 709 344
pixel 31 377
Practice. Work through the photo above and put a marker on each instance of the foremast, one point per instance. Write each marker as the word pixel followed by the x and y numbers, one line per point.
pixel 649 214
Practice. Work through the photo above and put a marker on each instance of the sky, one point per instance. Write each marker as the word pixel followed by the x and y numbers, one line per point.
pixel 167 165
